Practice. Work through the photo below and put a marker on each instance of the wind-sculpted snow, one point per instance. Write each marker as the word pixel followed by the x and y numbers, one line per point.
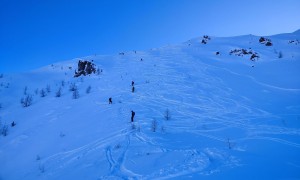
pixel 227 117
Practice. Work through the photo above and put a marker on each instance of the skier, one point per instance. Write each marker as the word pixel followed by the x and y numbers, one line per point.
pixel 132 115
pixel 133 89
pixel 132 83
pixel 110 101
pixel 13 124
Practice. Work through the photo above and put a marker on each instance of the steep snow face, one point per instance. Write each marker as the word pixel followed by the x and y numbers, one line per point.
pixel 199 114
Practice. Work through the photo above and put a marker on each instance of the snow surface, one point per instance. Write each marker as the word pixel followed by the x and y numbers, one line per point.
pixel 230 118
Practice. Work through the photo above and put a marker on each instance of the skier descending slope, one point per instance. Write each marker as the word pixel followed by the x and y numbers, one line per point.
pixel 132 115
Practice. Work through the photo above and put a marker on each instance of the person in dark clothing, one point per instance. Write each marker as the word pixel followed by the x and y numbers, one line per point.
pixel 110 101
pixel 132 115
pixel 13 124
pixel 133 89
pixel 132 83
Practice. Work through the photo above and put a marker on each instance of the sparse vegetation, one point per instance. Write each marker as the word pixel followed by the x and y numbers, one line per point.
pixel 26 101
pixel 58 92
pixel 167 114
pixel 75 93
pixel 62 83
pixel 42 93
pixel 154 125
pixel 72 87
pixel 3 129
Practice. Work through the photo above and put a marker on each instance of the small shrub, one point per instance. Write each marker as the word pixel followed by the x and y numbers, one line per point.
pixel 154 125
pixel 3 129
pixel 42 93
pixel 26 101
pixel 58 92
pixel 72 87
pixel 75 94
pixel 167 114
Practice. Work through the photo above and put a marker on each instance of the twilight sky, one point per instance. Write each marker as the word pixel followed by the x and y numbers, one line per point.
pixel 35 33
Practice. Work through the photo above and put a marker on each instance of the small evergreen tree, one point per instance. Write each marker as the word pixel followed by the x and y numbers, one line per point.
pixel 58 93
pixel 26 101
pixel 3 129
pixel 43 93
pixel 154 125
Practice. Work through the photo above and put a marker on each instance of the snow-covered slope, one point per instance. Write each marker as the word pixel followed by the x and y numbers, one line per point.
pixel 229 117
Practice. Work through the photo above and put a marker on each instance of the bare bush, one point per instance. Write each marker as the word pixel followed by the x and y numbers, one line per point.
pixel 154 125
pixel 58 92
pixel 167 114
pixel 75 93
pixel 72 87
pixel 42 93
pixel 26 101
pixel 3 129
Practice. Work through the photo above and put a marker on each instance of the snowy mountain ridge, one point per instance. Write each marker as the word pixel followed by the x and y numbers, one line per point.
pixel 211 107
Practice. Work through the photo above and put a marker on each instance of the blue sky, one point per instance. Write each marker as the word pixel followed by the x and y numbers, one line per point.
pixel 35 33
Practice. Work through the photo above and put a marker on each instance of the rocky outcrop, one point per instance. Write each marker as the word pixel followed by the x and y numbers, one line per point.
pixel 85 68
pixel 241 52
pixel 265 41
